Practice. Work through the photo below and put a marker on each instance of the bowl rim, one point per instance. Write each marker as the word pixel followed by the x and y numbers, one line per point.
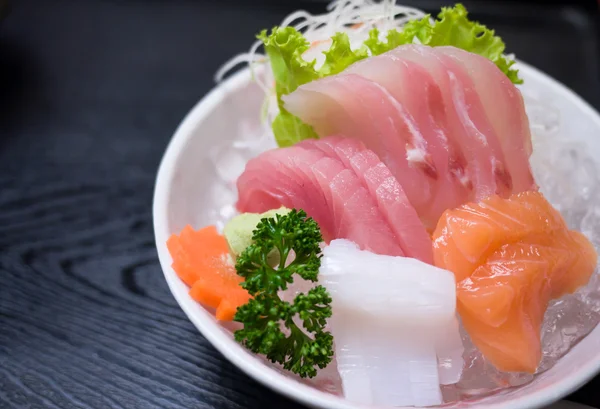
pixel 234 352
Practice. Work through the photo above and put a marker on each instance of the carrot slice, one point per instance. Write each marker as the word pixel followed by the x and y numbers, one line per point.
pixel 228 307
pixel 201 260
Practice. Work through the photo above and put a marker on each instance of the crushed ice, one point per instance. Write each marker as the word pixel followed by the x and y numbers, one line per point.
pixel 566 174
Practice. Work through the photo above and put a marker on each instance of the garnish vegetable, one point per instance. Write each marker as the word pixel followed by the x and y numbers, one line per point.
pixel 299 348
pixel 285 47
pixel 452 28
pixel 201 259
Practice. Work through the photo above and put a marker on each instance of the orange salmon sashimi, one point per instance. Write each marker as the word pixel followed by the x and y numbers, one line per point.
pixel 510 257
pixel 201 260
pixel 467 235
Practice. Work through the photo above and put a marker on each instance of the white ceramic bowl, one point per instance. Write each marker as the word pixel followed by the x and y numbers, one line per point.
pixel 185 194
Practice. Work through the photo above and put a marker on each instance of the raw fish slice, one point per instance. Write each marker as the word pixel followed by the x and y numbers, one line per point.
pixel 461 126
pixel 307 180
pixel 335 146
pixel 423 293
pixel 270 183
pixel 361 109
pixel 329 192
pixel 393 203
pixel 467 235
pixel 382 185
pixel 287 175
pixel 466 94
pixel 350 199
pixel 316 208
pixel 505 109
pixel 376 369
pixel 510 258
pixel 282 187
pixel 503 312
pixel 416 90
pixel 584 264
pixel 387 344
pixel 288 184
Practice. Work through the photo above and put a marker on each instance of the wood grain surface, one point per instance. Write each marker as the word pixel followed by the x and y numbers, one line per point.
pixel 90 93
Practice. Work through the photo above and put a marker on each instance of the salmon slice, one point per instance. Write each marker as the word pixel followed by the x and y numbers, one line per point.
pixel 510 258
pixel 467 235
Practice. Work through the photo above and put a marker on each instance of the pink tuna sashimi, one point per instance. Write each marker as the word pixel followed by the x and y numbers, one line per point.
pixel 335 146
pixel 351 202
pixel 468 125
pixel 275 181
pixel 327 190
pixel 504 107
pixel 415 88
pixel 384 187
pixel 358 108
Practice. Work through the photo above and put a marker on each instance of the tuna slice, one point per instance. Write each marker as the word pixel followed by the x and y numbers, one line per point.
pixel 358 108
pixel 417 90
pixel 344 187
pixel 386 190
pixel 510 258
pixel 396 335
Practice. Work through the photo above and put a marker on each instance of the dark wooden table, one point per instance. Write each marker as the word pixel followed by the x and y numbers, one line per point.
pixel 90 93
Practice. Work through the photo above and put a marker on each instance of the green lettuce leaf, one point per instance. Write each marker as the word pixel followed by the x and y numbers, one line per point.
pixel 340 55
pixel 289 129
pixel 421 29
pixel 454 28
pixel 285 46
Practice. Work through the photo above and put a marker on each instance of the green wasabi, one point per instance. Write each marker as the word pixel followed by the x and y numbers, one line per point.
pixel 238 232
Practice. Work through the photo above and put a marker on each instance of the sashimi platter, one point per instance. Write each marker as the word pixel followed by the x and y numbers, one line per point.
pixel 409 226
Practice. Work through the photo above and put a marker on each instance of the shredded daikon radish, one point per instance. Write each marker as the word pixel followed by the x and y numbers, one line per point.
pixel 354 17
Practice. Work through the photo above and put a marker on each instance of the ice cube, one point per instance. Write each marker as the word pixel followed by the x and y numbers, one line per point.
pixel 590 226
pixel 229 163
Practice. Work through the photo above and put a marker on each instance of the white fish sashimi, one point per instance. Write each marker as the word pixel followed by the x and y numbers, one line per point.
pixel 394 326
pixel 377 370
pixel 399 287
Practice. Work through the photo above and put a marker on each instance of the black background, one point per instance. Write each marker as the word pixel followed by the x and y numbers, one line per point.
pixel 90 93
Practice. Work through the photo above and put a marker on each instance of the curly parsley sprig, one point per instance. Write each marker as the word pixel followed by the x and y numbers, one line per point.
pixel 307 346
